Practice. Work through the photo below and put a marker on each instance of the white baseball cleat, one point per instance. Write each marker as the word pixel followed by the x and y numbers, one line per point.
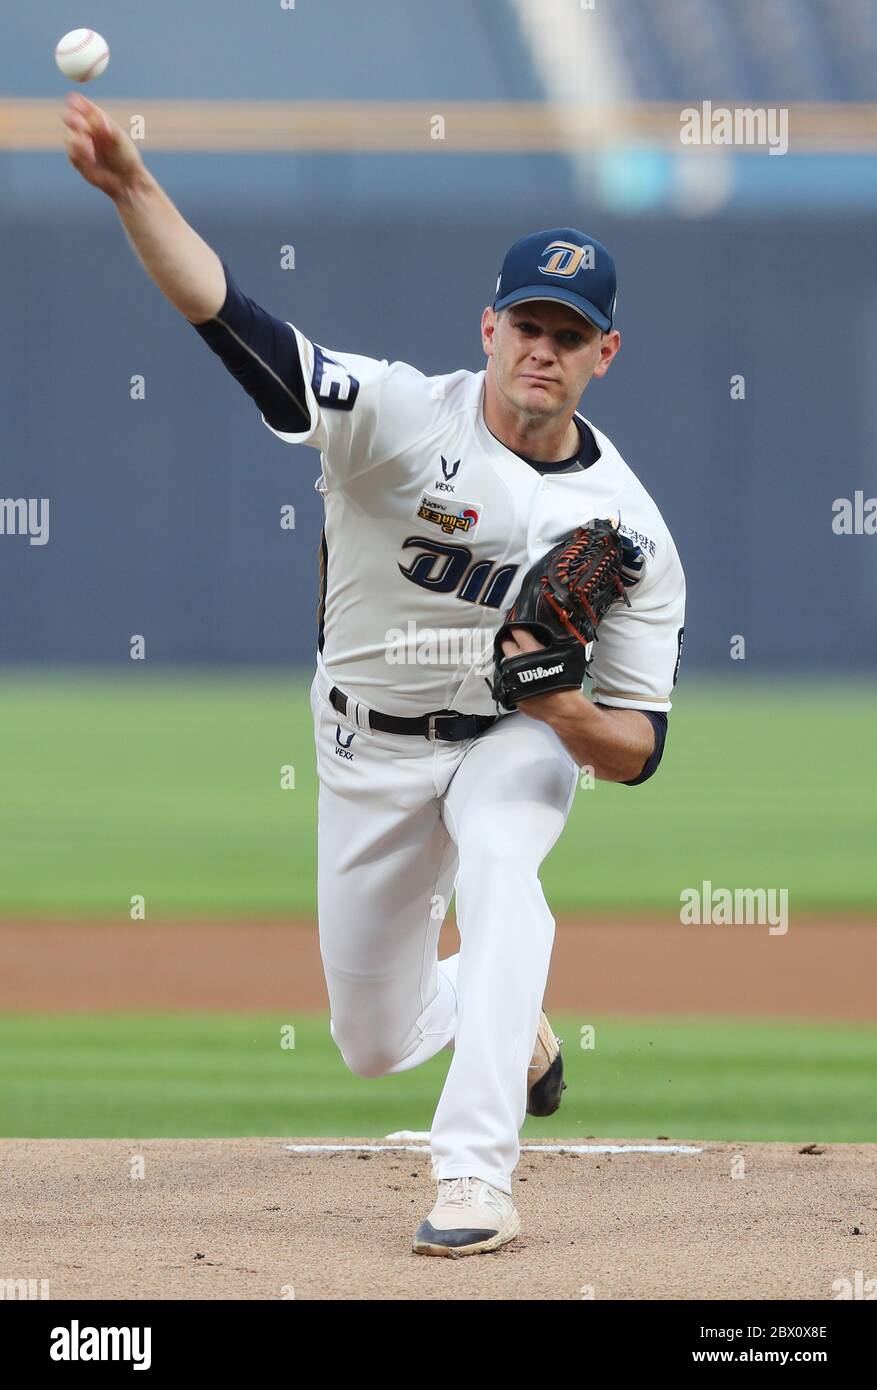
pixel 545 1083
pixel 470 1216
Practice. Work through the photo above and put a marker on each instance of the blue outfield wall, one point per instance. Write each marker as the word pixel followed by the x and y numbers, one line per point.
pixel 165 512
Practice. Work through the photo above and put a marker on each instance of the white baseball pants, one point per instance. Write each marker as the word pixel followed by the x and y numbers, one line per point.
pixel 403 821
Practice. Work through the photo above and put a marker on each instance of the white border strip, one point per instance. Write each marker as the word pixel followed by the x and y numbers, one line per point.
pixel 525 1148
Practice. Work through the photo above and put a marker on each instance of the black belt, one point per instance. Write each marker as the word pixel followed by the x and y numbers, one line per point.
pixel 445 724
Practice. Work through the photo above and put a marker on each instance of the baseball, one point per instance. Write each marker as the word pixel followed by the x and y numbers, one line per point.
pixel 82 54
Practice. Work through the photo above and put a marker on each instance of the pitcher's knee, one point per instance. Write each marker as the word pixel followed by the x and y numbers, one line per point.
pixel 362 1055
pixel 489 858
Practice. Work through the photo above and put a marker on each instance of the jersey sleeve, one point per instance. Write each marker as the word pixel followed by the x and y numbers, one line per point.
pixel 636 658
pixel 361 411
pixel 357 411
pixel 262 355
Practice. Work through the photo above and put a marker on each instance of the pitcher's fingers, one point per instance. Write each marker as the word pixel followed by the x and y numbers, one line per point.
pixel 525 640
pixel 80 102
pixel 93 118
pixel 80 149
pixel 74 121
pixel 96 120
pixel 89 121
pixel 77 105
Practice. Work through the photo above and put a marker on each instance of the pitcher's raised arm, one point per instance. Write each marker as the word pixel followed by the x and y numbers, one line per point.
pixel 188 272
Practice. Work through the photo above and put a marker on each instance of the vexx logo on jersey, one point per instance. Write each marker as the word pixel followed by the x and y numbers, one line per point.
pixel 450 471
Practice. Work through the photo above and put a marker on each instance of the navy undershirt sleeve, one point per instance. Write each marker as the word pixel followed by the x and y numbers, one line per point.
pixel 658 721
pixel 261 353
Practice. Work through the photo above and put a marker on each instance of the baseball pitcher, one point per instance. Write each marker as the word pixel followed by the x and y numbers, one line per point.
pixel 485 553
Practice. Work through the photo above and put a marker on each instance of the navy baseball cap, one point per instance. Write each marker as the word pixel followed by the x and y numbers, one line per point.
pixel 561 264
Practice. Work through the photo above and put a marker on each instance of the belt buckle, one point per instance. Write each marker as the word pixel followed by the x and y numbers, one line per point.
pixel 432 733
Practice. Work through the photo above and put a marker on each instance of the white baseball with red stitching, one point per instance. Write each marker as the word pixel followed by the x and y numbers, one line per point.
pixel 82 54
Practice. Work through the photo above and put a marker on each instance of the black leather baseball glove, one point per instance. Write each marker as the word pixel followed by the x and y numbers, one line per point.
pixel 562 601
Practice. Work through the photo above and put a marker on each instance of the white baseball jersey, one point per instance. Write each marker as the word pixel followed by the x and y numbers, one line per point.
pixel 430 526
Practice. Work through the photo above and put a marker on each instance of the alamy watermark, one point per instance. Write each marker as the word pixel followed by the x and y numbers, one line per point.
pixel 441 646
pixel 736 907
pixel 854 1288
pixel 738 125
pixel 25 516
pixel 854 516
pixel 78 1343
pixel 23 1290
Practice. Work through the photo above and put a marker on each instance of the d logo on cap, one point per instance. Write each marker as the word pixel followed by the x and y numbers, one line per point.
pixel 565 258
pixel 545 265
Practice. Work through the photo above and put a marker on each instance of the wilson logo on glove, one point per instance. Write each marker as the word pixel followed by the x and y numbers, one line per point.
pixel 562 602
pixel 540 672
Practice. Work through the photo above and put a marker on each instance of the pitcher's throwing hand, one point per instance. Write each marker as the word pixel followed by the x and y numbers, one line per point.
pixel 99 149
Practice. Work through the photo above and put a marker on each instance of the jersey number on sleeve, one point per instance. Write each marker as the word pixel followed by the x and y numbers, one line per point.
pixel 333 384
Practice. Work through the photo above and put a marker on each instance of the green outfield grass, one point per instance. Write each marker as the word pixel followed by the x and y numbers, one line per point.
pixel 170 787
pixel 210 1075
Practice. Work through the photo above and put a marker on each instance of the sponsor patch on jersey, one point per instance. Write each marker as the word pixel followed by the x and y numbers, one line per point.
pixel 454 518
pixel 646 544
pixel 633 562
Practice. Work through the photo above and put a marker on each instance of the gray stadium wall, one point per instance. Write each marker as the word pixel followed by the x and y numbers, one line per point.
pixel 165 512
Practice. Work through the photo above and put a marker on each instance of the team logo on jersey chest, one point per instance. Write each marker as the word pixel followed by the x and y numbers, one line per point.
pixel 454 518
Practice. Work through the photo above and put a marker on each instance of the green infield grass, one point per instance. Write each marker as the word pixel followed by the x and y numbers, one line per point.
pixel 222 1075
pixel 171 787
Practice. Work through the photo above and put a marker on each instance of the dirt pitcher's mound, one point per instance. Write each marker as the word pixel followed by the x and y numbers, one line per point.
pixel 245 1218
